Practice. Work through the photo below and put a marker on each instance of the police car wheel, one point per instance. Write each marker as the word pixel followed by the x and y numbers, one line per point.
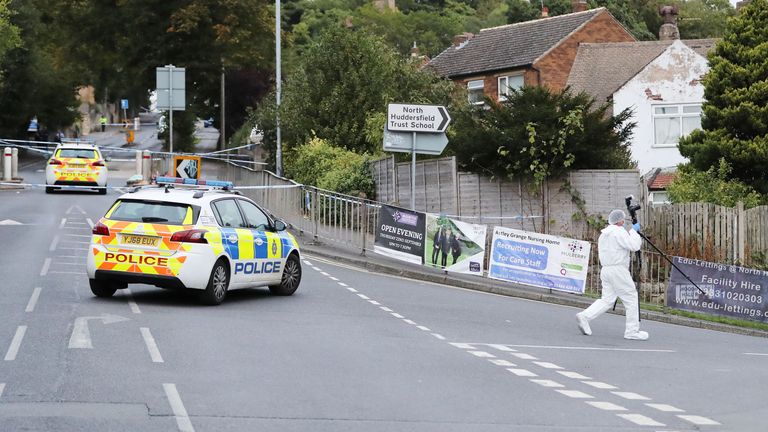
pixel 103 191
pixel 48 189
pixel 102 288
pixel 291 277
pixel 217 285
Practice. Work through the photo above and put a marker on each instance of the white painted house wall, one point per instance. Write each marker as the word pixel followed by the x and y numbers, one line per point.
pixel 675 78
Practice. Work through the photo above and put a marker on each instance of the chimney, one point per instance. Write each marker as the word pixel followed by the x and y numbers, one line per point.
pixel 579 5
pixel 544 12
pixel 669 30
pixel 414 50
pixel 461 39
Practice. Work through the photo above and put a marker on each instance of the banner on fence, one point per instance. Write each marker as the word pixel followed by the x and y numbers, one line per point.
pixel 454 245
pixel 539 260
pixel 732 291
pixel 400 234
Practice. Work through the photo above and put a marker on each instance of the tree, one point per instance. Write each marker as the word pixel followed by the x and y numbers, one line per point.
pixel 735 121
pixel 538 134
pixel 712 186
pixel 345 78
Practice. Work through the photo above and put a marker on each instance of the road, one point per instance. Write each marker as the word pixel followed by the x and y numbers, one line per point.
pixel 350 351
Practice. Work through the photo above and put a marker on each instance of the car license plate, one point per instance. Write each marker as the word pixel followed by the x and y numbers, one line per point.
pixel 137 240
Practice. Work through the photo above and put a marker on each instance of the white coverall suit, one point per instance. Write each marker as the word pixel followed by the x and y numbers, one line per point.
pixel 614 246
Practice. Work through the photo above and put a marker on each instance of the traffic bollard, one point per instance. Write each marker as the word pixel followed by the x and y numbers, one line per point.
pixel 136 123
pixel 139 163
pixel 146 167
pixel 7 156
pixel 14 163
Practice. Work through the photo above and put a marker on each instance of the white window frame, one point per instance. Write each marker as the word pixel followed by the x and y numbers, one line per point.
pixel 503 89
pixel 473 85
pixel 680 115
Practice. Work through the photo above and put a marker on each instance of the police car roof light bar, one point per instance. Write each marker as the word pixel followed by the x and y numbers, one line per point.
pixel 226 185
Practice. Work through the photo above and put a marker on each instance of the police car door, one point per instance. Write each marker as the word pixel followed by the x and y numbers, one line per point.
pixel 236 239
pixel 267 245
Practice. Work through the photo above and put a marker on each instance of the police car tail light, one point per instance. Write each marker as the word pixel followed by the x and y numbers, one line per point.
pixel 98 163
pixel 55 162
pixel 189 236
pixel 100 229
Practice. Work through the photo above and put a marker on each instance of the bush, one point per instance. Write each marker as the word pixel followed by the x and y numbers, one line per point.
pixel 184 131
pixel 712 186
pixel 317 163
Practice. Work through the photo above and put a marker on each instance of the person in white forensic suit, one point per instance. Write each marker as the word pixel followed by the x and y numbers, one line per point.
pixel 614 247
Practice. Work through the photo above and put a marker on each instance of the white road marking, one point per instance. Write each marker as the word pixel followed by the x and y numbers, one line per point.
pixel 76 242
pixel 592 348
pixel 600 385
pixel 350 289
pixel 423 328
pixel 182 418
pixel 81 334
pixel 640 420
pixel 131 302
pixel 66 272
pixel 524 356
pixel 77 235
pixel 77 223
pixel 699 420
pixel 439 336
pixel 13 350
pixel 343 284
pixel 2 387
pixel 46 266
pixel 522 372
pixel 90 222
pixel 63 222
pixel 502 347
pixel 501 362
pixel 397 315
pixel 407 321
pixel 33 299
pixel 606 406
pixel 481 354
pixel 315 268
pixel 385 309
pixel 154 353
pixel 573 375
pixel 307 263
pixel 547 383
pixel 630 396
pixel 54 242
pixel 756 354
pixel 547 365
pixel 462 345
pixel 333 278
pixel 664 407
pixel 374 302
pixel 575 394
pixel 363 296
pixel 324 273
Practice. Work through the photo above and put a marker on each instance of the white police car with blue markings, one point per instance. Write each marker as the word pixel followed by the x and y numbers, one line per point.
pixel 193 235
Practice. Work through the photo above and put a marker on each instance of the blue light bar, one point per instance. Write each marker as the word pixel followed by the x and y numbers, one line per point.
pixel 193 182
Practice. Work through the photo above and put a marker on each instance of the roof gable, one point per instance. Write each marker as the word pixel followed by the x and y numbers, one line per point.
pixel 510 46
pixel 602 69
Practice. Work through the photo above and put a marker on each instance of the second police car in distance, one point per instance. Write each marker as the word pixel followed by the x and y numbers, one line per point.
pixel 76 164
pixel 210 240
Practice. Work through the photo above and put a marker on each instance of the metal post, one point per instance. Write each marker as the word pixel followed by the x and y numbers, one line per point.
pixel 364 230
pixel 147 165
pixel 139 163
pixel 315 209
pixel 223 128
pixel 413 173
pixel 170 105
pixel 278 90
pixel 7 155
pixel 15 163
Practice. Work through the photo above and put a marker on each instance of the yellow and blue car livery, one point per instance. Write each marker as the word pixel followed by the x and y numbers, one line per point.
pixel 172 237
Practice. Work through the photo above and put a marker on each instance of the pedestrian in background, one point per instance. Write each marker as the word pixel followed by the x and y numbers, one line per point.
pixel 103 122
pixel 613 247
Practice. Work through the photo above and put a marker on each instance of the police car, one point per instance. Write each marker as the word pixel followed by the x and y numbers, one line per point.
pixel 203 238
pixel 76 164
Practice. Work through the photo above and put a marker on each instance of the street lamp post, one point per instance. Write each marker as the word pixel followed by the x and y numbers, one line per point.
pixel 278 84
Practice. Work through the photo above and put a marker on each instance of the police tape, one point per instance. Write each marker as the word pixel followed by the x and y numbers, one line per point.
pixel 126 188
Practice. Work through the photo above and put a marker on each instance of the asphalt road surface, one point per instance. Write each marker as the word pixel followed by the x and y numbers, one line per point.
pixel 350 351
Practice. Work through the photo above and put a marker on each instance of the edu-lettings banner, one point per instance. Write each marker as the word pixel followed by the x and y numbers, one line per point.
pixel 539 260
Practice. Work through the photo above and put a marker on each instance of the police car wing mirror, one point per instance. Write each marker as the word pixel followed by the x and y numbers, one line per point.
pixel 279 225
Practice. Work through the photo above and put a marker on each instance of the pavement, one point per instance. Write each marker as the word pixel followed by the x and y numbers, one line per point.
pixel 381 264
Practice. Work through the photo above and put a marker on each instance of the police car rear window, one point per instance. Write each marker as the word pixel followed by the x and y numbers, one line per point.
pixel 77 153
pixel 155 212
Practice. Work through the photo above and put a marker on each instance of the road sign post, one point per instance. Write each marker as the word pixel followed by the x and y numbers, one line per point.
pixel 416 129
pixel 171 94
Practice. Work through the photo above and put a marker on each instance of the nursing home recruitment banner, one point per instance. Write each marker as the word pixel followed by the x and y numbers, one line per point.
pixel 539 260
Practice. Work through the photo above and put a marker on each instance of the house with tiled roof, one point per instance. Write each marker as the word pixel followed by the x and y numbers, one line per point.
pixel 659 81
pixel 539 52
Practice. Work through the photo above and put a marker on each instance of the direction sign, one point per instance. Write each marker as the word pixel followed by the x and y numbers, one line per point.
pixel 426 143
pixel 417 118
pixel 171 88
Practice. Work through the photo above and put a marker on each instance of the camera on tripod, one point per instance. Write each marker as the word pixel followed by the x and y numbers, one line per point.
pixel 632 209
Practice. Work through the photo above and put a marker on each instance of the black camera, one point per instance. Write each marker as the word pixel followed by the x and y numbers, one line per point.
pixel 632 209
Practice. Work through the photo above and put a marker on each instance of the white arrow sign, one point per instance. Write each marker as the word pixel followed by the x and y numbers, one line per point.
pixel 81 335
pixel 417 118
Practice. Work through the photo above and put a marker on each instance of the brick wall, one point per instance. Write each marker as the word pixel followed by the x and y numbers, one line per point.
pixel 555 66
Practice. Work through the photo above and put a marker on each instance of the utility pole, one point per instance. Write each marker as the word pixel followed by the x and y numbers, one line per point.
pixel 222 129
pixel 278 84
